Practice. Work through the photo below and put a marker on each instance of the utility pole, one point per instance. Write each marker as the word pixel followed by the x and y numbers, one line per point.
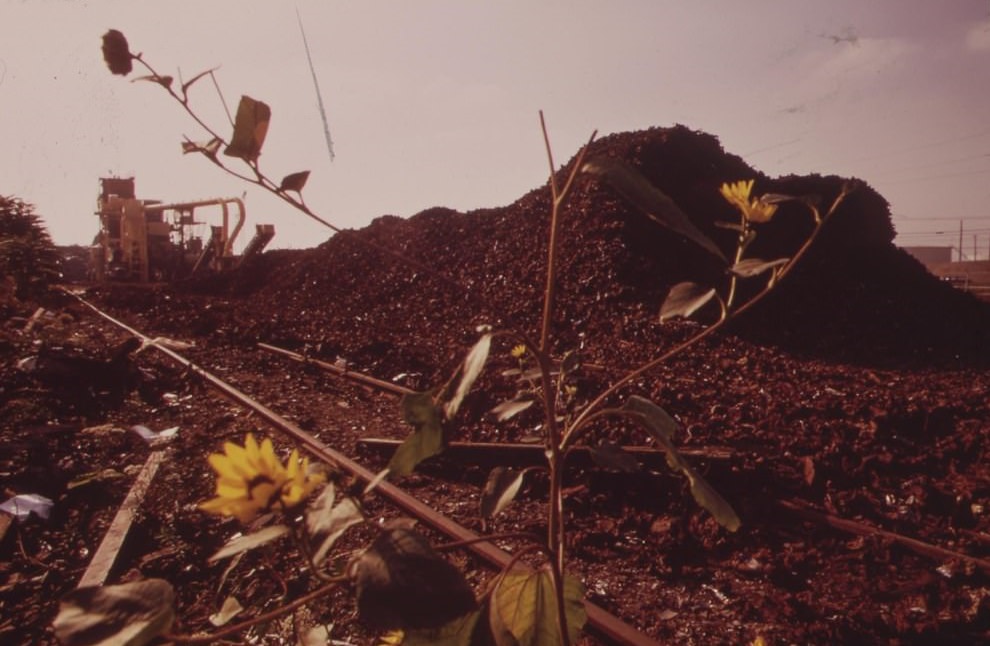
pixel 960 240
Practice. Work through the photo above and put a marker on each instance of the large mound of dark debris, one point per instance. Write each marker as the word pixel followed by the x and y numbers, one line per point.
pixel 405 293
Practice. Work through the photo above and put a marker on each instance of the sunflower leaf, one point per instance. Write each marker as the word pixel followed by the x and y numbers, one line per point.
pixel 684 299
pixel 421 411
pixel 250 129
pixel 524 609
pixel 501 489
pixel 249 541
pixel 630 184
pixel 662 426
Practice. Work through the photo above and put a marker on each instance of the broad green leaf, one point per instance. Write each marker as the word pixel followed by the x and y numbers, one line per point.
pixel 116 53
pixel 250 128
pixel 473 364
pixel 754 266
pixel 249 541
pixel 630 184
pixel 513 407
pixel 662 426
pixel 327 521
pixel 426 440
pixel 230 609
pixel 294 182
pixel 613 458
pixel 188 84
pixel 501 488
pixel 164 81
pixel 402 582
pixel 131 614
pixel 684 300
pixel 524 609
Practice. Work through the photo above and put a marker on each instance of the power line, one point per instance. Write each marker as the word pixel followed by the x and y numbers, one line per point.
pixel 941 217
pixel 943 232
pixel 772 147
pixel 925 146
pixel 934 164
pixel 926 178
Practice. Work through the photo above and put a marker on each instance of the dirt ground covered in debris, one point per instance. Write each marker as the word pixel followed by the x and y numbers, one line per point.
pixel 852 400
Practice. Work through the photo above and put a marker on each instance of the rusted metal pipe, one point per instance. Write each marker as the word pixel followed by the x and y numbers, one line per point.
pixel 861 529
pixel 532 454
pixel 387 386
pixel 599 620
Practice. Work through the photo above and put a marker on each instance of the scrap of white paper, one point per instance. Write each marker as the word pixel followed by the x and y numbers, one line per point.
pixel 21 506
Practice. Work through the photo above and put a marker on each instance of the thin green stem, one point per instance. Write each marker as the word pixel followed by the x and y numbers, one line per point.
pixel 555 521
pixel 558 199
pixel 557 575
pixel 740 248
pixel 262 618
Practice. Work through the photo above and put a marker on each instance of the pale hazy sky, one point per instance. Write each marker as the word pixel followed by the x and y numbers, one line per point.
pixel 435 102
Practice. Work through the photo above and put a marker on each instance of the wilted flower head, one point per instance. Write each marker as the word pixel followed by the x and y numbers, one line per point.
pixel 116 53
pixel 753 209
pixel 252 479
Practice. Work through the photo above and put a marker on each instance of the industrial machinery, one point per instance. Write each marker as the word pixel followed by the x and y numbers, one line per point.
pixel 150 241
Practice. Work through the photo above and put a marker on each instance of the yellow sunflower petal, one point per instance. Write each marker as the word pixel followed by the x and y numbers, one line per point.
pixel 238 459
pixel 252 453
pixel 269 461
pixel 219 505
pixel 225 467
pixel 292 466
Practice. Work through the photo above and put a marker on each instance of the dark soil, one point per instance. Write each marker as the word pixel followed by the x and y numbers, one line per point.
pixel 857 390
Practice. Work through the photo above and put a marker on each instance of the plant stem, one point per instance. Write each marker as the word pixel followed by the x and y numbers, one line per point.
pixel 558 198
pixel 557 575
pixel 734 279
pixel 570 434
pixel 555 520
pixel 268 616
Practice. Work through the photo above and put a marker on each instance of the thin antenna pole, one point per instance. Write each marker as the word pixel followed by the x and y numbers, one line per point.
pixel 316 85
pixel 960 240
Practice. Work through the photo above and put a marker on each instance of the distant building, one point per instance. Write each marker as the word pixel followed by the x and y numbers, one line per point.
pixel 930 255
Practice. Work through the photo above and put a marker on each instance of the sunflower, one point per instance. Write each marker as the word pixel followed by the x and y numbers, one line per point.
pixel 251 479
pixel 753 209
